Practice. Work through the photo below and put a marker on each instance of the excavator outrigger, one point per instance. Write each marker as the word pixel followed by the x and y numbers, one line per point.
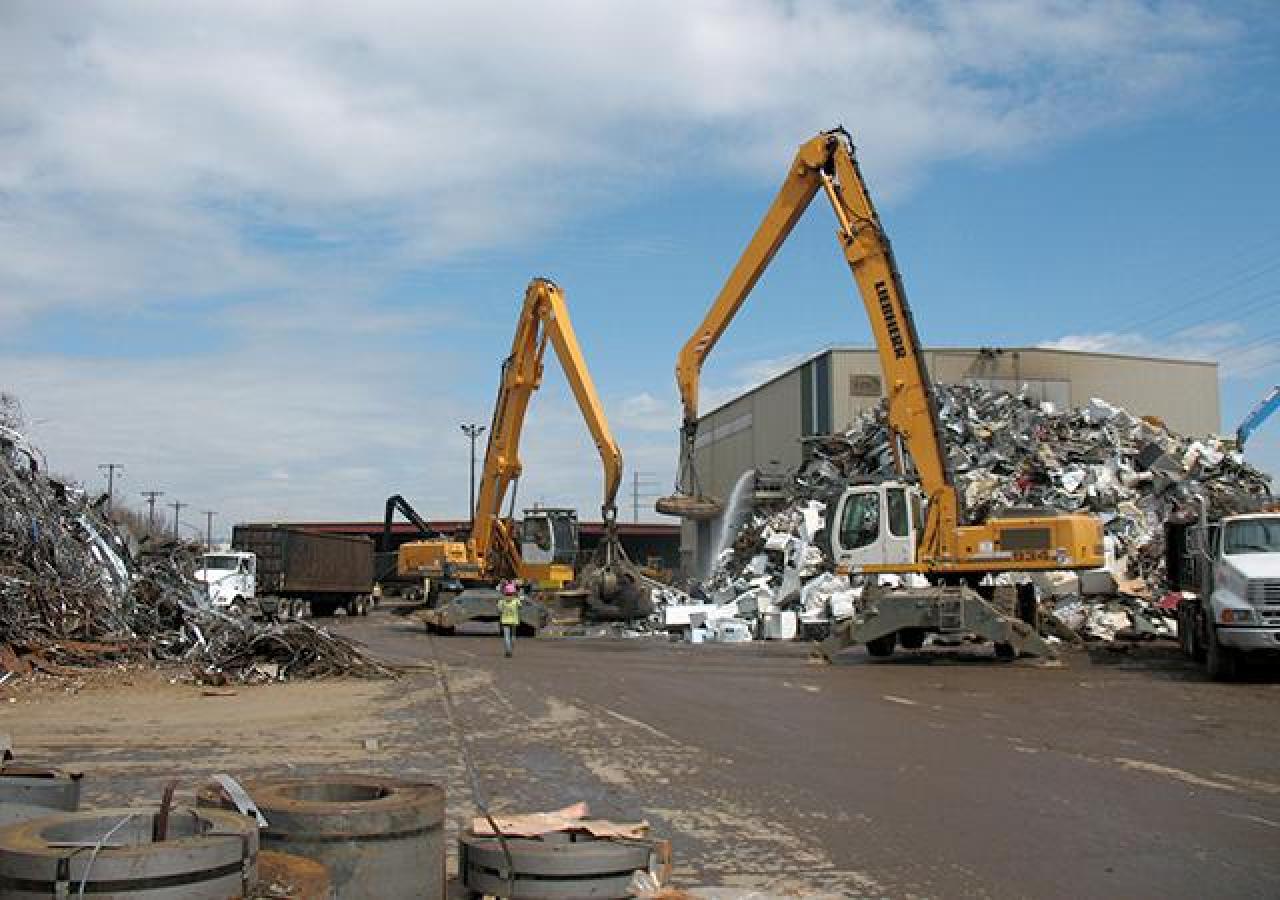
pixel 913 523
pixel 543 549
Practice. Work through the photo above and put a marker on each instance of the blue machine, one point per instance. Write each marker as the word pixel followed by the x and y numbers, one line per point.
pixel 1257 416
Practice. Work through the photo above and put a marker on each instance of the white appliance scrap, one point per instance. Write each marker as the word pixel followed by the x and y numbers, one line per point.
pixel 1005 450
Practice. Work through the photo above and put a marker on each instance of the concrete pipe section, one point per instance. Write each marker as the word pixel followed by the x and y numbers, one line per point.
pixel 207 854
pixel 295 877
pixel 555 867
pixel 380 838
pixel 27 793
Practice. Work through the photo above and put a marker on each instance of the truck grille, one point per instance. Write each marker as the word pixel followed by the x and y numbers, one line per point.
pixel 1264 592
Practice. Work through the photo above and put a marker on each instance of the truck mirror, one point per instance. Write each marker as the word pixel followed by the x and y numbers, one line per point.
pixel 1196 540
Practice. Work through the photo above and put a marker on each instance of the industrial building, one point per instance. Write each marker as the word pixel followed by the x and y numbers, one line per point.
pixel 763 428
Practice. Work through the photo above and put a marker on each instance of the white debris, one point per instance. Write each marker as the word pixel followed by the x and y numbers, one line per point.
pixel 1006 451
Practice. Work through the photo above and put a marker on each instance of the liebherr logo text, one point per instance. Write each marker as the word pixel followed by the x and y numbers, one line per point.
pixel 890 320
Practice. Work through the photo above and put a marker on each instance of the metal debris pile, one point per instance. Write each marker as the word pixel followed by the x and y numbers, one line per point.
pixel 245 651
pixel 78 590
pixel 1006 451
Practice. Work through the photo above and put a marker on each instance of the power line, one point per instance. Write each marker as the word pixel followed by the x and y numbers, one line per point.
pixel 1210 270
pixel 1245 308
pixel 1195 299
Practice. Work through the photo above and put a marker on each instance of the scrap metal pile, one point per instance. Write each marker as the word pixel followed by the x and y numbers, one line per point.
pixel 75 589
pixel 1006 451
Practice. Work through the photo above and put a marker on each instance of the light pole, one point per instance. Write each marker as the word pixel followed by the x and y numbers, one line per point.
pixel 178 507
pixel 473 431
pixel 151 509
pixel 208 530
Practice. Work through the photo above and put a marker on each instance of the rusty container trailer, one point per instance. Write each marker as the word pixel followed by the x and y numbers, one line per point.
pixel 327 571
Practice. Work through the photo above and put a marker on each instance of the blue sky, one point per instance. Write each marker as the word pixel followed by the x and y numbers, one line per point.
pixel 269 259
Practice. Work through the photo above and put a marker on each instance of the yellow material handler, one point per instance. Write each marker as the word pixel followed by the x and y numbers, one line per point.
pixel 913 523
pixel 543 548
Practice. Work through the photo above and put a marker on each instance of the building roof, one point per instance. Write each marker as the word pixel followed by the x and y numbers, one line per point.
pixel 458 526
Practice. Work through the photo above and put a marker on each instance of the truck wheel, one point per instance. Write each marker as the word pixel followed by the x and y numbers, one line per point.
pixel 1005 651
pixel 1026 606
pixel 911 638
pixel 1222 662
pixel 1189 635
pixel 322 608
pixel 882 646
pixel 1196 628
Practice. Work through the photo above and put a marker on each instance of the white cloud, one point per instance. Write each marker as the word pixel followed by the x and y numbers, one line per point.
pixel 134 138
pixel 645 412
pixel 747 376
pixel 1239 353
pixel 286 162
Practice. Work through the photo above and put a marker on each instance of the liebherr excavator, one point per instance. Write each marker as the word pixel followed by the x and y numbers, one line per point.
pixel 913 523
pixel 544 548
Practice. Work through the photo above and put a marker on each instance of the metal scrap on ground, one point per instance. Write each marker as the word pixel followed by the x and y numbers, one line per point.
pixel 77 590
pixel 774 578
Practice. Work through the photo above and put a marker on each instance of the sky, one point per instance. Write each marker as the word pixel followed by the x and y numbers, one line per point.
pixel 269 256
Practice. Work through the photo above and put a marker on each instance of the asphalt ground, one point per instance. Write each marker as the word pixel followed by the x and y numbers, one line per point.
pixel 931 774
pixel 934 773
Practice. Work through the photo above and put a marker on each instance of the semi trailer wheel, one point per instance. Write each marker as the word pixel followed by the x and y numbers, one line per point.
pixel 882 646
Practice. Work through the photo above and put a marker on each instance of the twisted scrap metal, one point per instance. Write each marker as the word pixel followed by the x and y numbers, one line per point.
pixel 76 588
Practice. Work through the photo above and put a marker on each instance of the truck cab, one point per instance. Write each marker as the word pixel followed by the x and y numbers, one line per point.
pixel 1229 573
pixel 230 578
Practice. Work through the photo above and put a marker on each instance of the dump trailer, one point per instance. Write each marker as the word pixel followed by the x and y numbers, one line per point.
pixel 296 567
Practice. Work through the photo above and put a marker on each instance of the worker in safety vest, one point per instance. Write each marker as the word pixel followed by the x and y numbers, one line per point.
pixel 509 614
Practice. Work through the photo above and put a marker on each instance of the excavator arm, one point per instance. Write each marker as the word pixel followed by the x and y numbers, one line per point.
pixel 544 319
pixel 827 163
pixel 1265 408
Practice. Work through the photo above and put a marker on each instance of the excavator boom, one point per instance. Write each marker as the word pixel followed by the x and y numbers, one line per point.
pixel 827 163
pixel 543 318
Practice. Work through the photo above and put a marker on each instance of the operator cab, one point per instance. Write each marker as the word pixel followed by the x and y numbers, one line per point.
pixel 876 524
pixel 549 536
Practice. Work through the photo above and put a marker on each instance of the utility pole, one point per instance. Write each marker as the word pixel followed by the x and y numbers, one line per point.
pixel 208 528
pixel 473 431
pixel 110 469
pixel 151 508
pixel 643 486
pixel 178 506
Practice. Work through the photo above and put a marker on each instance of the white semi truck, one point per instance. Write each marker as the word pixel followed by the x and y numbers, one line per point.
pixel 1228 571
pixel 230 579
pixel 279 572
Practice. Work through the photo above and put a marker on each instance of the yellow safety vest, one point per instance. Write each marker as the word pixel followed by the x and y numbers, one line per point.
pixel 510 609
